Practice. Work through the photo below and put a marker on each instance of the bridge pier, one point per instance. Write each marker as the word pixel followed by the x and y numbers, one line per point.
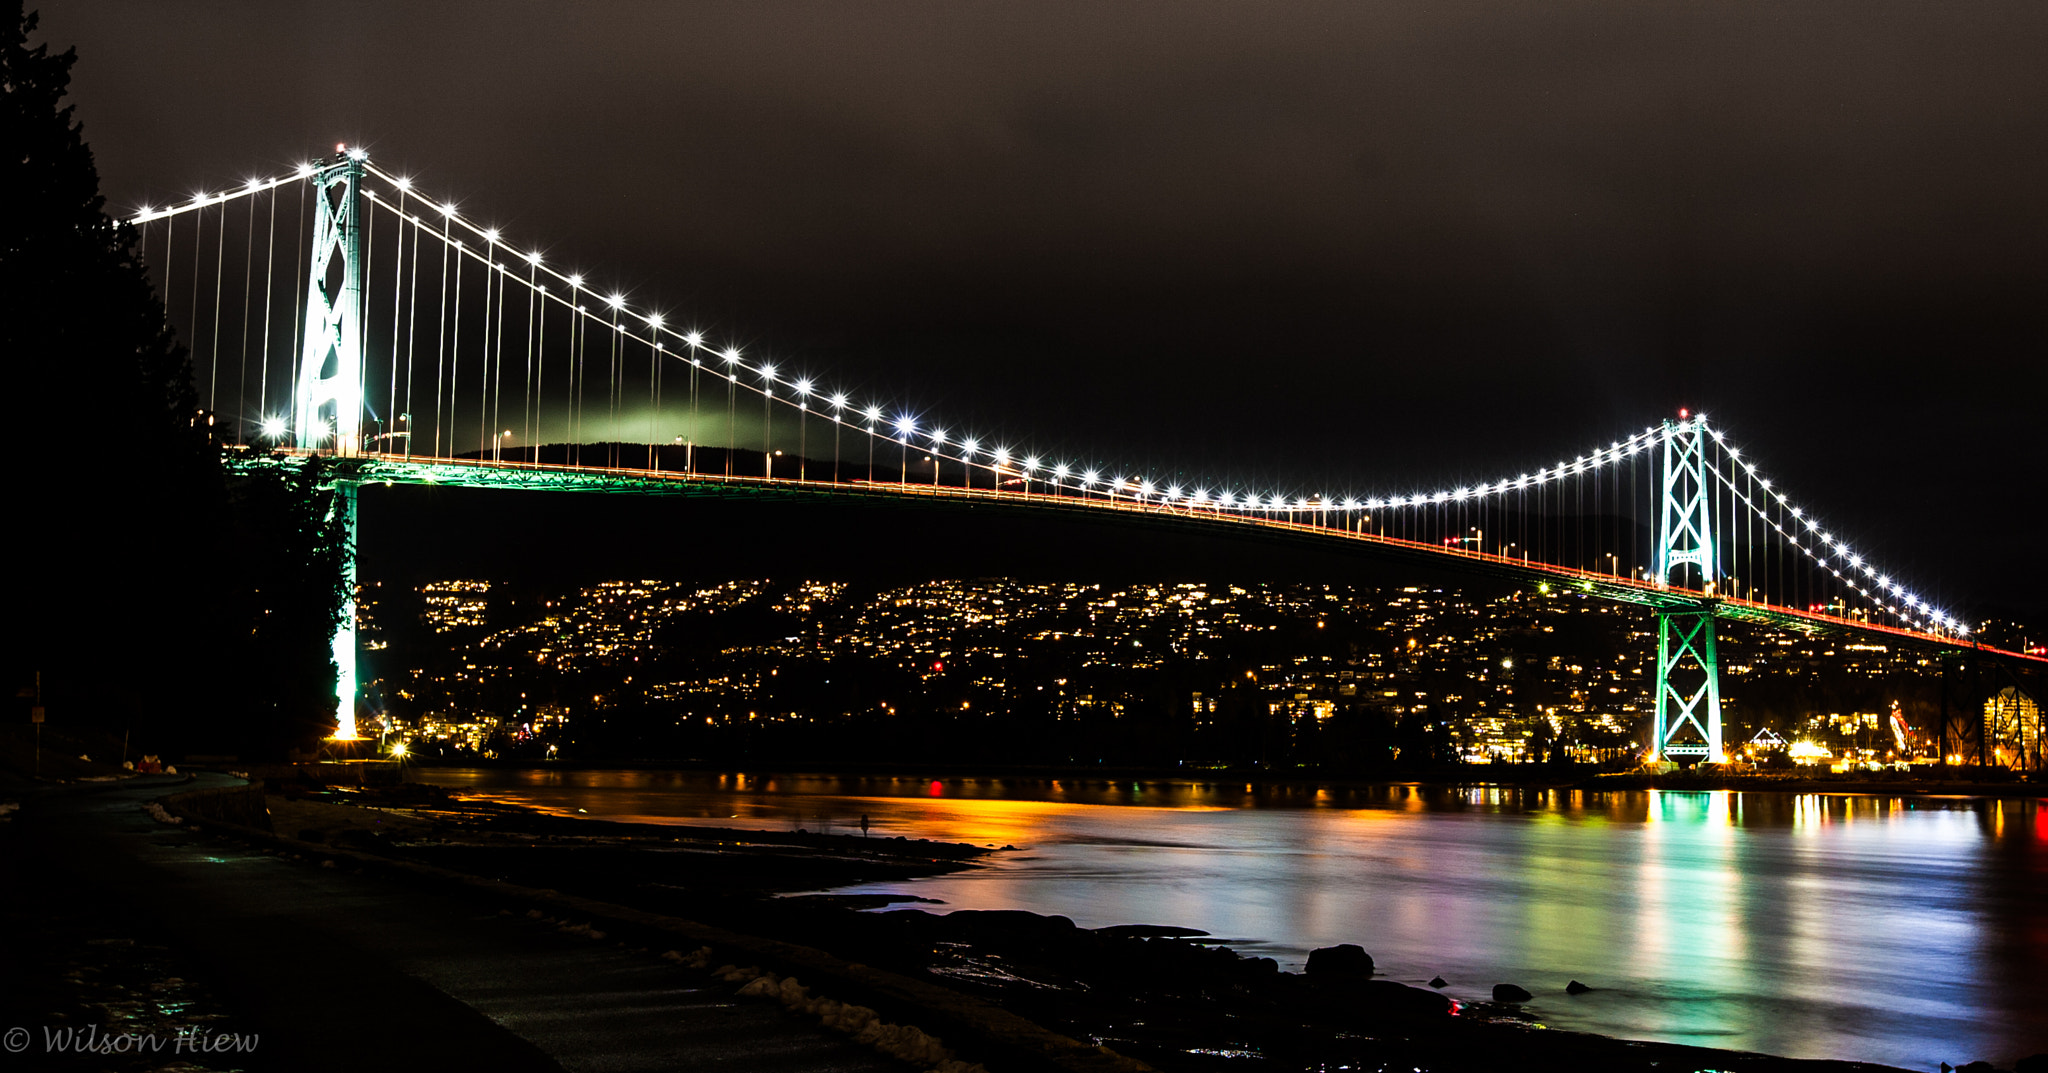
pixel 1688 685
pixel 345 629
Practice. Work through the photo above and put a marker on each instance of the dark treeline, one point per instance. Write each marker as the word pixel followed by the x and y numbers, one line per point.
pixel 154 597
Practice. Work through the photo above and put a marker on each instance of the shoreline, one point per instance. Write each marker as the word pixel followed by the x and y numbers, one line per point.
pixel 1167 995
pixel 1532 777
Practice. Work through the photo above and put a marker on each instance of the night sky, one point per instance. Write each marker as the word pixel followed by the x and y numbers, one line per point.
pixel 1380 246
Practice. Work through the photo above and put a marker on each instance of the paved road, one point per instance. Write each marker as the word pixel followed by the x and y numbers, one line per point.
pixel 345 972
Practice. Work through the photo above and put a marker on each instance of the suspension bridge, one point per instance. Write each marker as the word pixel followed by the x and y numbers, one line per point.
pixel 394 336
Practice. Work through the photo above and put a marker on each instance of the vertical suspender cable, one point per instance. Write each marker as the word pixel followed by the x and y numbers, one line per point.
pixel 492 299
pixel 366 287
pixel 170 252
pixel 441 333
pixel 532 283
pixel 248 279
pixel 614 394
pixel 412 319
pixel 454 358
pixel 198 242
pixel 397 302
pixel 298 296
pixel 269 266
pixel 540 378
pixel 220 264
pixel 577 330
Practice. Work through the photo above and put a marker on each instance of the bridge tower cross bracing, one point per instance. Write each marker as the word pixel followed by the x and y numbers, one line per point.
pixel 331 376
pixel 1688 668
pixel 331 357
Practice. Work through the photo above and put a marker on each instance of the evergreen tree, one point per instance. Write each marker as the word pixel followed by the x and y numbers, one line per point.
pixel 150 597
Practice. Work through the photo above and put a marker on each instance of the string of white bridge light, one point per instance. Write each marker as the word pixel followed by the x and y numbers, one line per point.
pixel 1935 618
pixel 147 214
pixel 1002 461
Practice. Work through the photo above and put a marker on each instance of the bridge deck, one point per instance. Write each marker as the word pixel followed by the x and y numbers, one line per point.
pixel 532 476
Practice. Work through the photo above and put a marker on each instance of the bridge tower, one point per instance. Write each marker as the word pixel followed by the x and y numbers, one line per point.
pixel 1688 670
pixel 327 404
pixel 331 358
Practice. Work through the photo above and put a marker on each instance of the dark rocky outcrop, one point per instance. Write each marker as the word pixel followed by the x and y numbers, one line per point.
pixel 1344 959
pixel 1576 988
pixel 1510 993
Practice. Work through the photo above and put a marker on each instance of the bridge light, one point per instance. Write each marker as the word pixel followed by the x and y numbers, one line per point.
pixel 1173 491
pixel 874 414
pixel 695 339
pixel 905 425
pixel 576 282
pixel 533 258
pixel 768 373
pixel 1002 456
pixel 1088 479
pixel 1201 495
pixel 803 387
pixel 653 320
pixel 402 184
pixel 969 446
pixel 491 235
pixel 839 402
pixel 616 300
pixel 1059 471
pixel 273 427
pixel 448 209
pixel 306 172
pixel 1031 464
pixel 1145 488
pixel 731 355
pixel 938 437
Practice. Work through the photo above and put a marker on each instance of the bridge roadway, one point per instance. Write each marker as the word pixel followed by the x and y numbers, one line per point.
pixel 348 973
pixel 531 476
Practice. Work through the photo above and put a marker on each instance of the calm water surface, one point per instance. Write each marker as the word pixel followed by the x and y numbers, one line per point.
pixel 1897 930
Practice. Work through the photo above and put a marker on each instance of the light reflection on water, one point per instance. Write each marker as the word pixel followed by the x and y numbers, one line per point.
pixel 1902 930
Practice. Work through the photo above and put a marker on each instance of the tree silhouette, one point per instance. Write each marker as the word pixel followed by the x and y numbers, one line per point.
pixel 127 588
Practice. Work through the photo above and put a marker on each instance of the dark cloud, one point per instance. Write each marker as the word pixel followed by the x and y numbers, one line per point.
pixel 1372 244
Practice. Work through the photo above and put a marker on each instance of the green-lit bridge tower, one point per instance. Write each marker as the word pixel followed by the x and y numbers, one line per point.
pixel 327 404
pixel 1688 671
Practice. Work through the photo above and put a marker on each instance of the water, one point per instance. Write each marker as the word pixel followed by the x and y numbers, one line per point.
pixel 1908 931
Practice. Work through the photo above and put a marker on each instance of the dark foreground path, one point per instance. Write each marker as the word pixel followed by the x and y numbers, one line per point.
pixel 335 971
